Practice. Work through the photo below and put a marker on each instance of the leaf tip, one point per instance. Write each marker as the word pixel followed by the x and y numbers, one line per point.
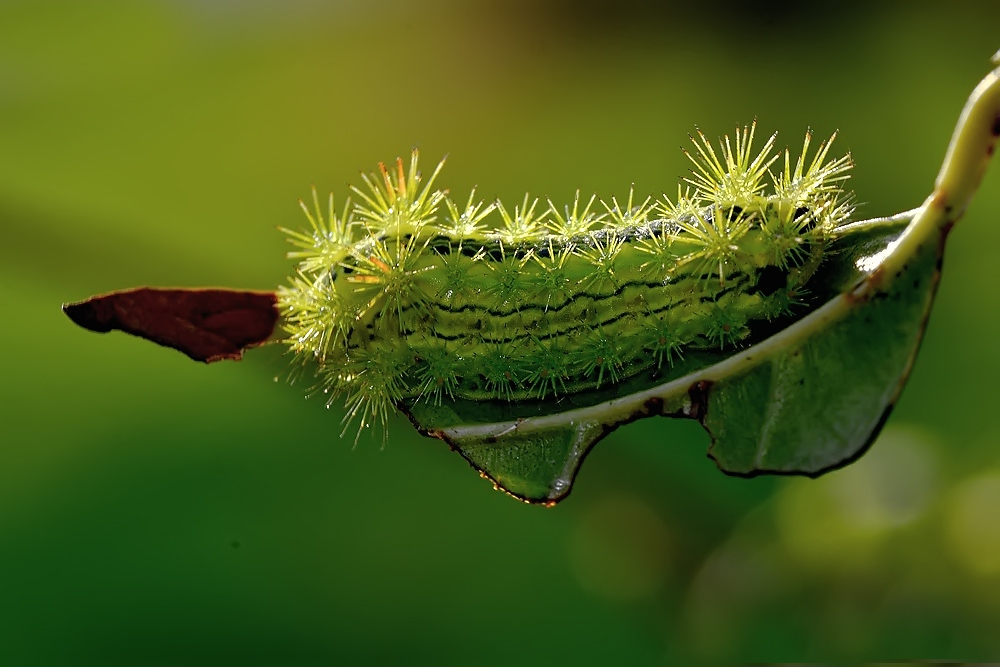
pixel 89 315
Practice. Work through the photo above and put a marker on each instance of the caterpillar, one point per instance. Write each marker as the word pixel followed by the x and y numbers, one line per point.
pixel 407 295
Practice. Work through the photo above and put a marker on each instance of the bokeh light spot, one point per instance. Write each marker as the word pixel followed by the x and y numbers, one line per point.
pixel 839 520
pixel 620 549
pixel 973 523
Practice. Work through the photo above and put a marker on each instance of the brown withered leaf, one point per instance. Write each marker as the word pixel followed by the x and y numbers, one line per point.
pixel 205 324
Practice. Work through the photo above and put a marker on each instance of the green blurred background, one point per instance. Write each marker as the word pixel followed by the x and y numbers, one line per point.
pixel 153 510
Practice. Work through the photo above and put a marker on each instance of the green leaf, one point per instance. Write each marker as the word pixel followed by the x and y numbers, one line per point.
pixel 805 399
pixel 818 398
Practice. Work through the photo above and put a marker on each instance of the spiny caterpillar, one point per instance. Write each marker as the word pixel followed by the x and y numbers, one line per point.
pixel 409 296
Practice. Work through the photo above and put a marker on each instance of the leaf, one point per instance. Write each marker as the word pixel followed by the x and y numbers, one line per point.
pixel 205 324
pixel 803 400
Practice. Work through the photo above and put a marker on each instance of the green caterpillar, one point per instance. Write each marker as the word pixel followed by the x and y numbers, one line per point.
pixel 407 296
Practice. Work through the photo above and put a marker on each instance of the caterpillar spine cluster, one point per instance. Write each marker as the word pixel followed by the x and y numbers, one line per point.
pixel 408 295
